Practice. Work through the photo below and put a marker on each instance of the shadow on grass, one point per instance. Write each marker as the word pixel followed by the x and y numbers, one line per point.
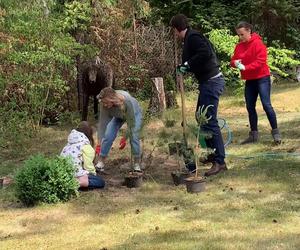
pixel 199 239
pixel 290 130
pixel 285 87
pixel 279 176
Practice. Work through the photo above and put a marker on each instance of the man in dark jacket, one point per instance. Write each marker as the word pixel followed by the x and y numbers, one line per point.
pixel 199 57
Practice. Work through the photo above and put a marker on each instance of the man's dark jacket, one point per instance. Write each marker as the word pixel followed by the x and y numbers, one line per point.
pixel 200 55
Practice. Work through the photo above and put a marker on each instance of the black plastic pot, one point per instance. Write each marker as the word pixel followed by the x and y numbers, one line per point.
pixel 133 180
pixel 179 177
pixel 195 185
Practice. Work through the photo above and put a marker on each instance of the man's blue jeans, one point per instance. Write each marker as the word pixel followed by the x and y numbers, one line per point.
pixel 261 87
pixel 210 92
pixel 112 130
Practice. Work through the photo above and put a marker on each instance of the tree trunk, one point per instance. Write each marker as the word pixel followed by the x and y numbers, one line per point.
pixel 298 73
pixel 171 101
pixel 79 83
pixel 80 38
pixel 158 100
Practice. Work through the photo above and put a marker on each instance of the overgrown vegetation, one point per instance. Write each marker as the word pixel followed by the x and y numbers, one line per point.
pixel 37 68
pixel 41 41
pixel 48 180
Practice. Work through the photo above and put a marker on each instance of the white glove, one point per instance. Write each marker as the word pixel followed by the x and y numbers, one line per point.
pixel 236 62
pixel 239 65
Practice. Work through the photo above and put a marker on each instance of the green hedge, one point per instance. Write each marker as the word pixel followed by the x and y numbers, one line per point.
pixel 48 180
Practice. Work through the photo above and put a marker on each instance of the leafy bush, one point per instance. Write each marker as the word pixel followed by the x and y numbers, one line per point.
pixel 46 180
pixel 170 83
pixel 282 61
pixel 78 16
pixel 190 83
pixel 37 68
pixel 224 44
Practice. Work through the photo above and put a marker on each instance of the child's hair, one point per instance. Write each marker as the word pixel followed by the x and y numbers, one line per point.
pixel 107 92
pixel 85 128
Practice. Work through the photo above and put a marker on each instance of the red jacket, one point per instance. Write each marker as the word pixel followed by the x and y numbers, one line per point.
pixel 253 55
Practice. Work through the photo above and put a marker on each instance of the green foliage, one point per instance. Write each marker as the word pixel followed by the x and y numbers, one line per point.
pixel 78 15
pixel 224 44
pixel 208 14
pixel 201 115
pixel 282 61
pixel 170 83
pixel 136 83
pixel 46 180
pixel 276 20
pixel 190 83
pixel 38 59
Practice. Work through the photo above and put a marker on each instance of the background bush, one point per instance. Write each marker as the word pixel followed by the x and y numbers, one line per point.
pixel 46 180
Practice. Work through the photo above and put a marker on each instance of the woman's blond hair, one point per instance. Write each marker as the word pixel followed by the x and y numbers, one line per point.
pixel 107 92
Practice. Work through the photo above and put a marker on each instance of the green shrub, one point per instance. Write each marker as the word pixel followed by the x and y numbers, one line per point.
pixel 146 91
pixel 37 66
pixel 224 44
pixel 78 15
pixel 170 83
pixel 190 83
pixel 282 61
pixel 46 180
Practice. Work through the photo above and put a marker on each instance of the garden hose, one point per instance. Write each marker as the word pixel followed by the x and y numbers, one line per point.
pixel 269 155
pixel 223 125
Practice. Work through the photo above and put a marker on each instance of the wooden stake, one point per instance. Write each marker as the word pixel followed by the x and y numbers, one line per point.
pixel 179 81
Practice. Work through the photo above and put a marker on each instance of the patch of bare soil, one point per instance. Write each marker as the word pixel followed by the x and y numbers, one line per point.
pixel 156 168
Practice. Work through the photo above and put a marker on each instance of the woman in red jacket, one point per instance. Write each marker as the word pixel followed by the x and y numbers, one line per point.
pixel 250 57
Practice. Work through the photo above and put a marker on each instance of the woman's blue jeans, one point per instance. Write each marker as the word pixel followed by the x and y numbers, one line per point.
pixel 210 92
pixel 261 87
pixel 112 130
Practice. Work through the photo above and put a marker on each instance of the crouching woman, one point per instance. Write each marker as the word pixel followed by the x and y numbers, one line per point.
pixel 80 148
pixel 116 108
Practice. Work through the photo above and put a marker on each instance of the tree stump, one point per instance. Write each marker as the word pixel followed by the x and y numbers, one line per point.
pixel 158 100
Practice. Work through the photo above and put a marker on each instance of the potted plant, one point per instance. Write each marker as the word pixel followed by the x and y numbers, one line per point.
pixel 196 183
pixel 176 147
pixel 133 179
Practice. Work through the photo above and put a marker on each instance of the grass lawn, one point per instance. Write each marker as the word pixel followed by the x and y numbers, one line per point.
pixel 254 205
